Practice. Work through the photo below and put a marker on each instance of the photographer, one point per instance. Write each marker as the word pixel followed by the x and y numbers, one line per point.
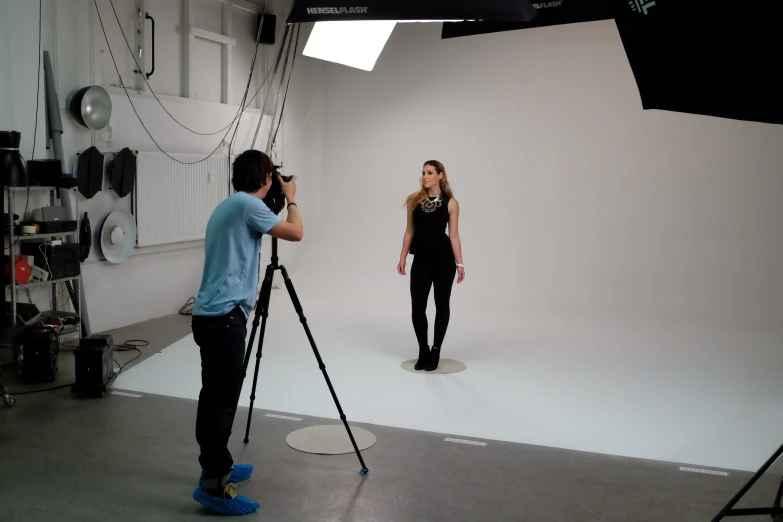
pixel 228 294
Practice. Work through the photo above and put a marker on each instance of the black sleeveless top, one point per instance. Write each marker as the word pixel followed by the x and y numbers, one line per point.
pixel 430 220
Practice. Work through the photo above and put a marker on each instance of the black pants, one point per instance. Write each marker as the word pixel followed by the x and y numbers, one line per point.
pixel 222 343
pixel 428 272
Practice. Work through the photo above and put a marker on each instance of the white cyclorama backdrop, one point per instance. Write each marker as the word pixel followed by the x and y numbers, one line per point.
pixel 576 205
pixel 574 201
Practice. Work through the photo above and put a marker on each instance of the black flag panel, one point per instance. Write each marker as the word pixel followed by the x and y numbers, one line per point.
pixel 557 12
pixel 718 58
pixel 346 10
pixel 89 172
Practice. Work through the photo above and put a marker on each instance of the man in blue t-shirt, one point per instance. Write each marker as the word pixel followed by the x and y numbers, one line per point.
pixel 228 293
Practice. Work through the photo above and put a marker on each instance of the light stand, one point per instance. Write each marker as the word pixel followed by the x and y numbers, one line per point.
pixel 776 510
pixel 262 310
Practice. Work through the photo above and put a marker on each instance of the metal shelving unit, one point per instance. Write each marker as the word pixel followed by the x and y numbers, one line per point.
pixel 8 335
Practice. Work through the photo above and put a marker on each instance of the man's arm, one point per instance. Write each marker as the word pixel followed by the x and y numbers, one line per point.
pixel 292 229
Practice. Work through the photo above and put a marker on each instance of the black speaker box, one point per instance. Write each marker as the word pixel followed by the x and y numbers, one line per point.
pixel 268 24
pixel 93 360
pixel 37 352
pixel 60 260
pixel 48 172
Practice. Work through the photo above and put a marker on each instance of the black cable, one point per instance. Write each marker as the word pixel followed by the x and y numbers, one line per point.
pixel 125 89
pixel 242 103
pixel 38 74
pixel 279 89
pixel 269 91
pixel 285 97
pixel 187 309
pixel 144 77
pixel 247 90
pixel 41 391
pixel 127 346
pixel 122 366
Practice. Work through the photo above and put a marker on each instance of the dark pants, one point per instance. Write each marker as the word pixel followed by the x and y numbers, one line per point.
pixel 431 272
pixel 222 343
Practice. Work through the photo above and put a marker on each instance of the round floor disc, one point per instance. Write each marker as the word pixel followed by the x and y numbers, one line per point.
pixel 329 440
pixel 445 366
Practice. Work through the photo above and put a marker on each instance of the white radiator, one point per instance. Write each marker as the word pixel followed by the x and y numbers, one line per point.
pixel 172 202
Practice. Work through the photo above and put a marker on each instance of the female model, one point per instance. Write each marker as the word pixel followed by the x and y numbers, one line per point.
pixel 436 256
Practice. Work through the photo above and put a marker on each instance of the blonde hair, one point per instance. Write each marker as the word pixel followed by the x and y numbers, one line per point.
pixel 421 196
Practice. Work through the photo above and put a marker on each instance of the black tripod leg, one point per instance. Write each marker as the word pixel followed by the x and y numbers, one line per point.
pixel 297 305
pixel 260 310
pixel 729 509
pixel 776 505
pixel 263 311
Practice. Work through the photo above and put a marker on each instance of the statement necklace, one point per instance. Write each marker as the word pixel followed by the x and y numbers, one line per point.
pixel 430 206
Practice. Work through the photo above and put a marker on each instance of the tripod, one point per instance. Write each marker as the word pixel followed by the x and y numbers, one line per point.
pixel 776 510
pixel 262 310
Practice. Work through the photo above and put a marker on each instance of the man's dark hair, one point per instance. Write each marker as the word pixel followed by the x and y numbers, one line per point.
pixel 250 171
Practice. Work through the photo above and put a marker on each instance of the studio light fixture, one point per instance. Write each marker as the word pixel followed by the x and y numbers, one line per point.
pixel 401 10
pixel 354 44
pixel 354 32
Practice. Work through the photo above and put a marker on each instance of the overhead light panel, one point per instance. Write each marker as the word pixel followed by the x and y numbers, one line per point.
pixel 354 44
pixel 354 32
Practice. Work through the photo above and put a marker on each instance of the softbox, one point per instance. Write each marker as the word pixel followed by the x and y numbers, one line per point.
pixel 89 172
pixel 122 170
pixel 554 12
pixel 400 10
pixel 717 58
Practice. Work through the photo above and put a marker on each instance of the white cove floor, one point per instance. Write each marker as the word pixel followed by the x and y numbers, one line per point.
pixel 700 397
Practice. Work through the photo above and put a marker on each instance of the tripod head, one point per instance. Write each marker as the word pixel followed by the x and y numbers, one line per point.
pixel 275 259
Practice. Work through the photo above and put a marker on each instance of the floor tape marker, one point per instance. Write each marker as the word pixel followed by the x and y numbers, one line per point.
pixel 125 394
pixel 283 417
pixel 704 471
pixel 463 441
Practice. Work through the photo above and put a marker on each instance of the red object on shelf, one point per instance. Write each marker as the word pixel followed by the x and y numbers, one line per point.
pixel 22 269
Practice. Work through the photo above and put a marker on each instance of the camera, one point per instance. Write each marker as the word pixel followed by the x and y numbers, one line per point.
pixel 275 199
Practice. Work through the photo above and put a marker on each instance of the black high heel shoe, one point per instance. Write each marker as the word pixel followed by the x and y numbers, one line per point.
pixel 432 365
pixel 424 358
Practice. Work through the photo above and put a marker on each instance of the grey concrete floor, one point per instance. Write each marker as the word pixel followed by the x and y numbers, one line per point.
pixel 119 458
pixel 159 333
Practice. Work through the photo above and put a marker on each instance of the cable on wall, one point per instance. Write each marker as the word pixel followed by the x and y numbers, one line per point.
pixel 288 85
pixel 125 89
pixel 275 67
pixel 144 77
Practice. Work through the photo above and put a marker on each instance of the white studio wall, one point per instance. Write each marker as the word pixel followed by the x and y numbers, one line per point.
pixel 574 201
pixel 18 65
pixel 154 281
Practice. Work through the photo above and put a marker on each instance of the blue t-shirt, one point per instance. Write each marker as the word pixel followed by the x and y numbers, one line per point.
pixel 231 261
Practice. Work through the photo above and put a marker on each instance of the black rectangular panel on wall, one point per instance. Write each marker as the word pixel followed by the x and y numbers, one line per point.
pixel 555 12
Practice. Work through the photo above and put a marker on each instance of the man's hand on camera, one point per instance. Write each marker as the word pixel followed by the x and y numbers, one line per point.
pixel 291 229
pixel 289 189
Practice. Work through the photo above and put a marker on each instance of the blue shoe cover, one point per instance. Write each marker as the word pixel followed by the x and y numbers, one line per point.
pixel 237 506
pixel 239 473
